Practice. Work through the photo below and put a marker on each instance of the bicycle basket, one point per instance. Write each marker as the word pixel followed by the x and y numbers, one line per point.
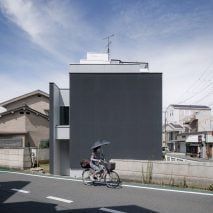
pixel 110 166
pixel 85 163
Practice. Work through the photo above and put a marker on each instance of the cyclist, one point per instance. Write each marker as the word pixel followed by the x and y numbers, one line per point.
pixel 95 159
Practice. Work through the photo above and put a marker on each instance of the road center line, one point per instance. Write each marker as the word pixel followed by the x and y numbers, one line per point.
pixel 20 190
pixel 110 210
pixel 59 199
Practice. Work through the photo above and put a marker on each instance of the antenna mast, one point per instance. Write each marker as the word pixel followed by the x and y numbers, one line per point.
pixel 108 44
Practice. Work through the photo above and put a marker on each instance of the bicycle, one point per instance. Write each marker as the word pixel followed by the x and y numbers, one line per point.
pixel 105 176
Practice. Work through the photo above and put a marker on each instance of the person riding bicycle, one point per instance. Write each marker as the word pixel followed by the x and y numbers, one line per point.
pixel 96 158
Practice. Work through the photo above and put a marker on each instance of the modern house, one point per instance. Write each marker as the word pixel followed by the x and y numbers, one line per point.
pixel 25 123
pixel 113 100
pixel 189 130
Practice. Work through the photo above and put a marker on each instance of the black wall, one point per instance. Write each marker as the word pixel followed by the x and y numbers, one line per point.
pixel 124 108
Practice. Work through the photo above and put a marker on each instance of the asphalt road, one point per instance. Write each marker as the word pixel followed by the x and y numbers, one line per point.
pixel 22 193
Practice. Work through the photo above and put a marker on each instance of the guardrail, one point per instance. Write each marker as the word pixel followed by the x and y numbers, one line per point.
pixel 172 158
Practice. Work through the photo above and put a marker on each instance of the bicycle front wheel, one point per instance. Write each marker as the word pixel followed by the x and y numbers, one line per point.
pixel 112 179
pixel 86 177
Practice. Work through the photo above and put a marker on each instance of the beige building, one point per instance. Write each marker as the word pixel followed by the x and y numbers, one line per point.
pixel 25 121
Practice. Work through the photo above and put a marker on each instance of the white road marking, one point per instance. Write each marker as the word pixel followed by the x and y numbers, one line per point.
pixel 59 199
pixel 20 190
pixel 43 176
pixel 124 185
pixel 168 190
pixel 110 210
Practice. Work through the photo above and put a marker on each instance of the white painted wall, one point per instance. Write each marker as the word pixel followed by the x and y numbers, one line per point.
pixel 62 132
pixel 95 58
pixel 209 138
pixel 178 116
pixel 204 121
pixel 64 97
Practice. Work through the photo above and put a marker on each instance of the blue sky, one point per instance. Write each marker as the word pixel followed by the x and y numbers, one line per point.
pixel 39 39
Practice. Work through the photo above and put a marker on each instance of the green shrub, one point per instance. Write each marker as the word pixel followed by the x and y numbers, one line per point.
pixel 210 187
pixel 44 144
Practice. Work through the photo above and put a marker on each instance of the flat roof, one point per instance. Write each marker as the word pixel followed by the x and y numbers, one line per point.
pixel 109 68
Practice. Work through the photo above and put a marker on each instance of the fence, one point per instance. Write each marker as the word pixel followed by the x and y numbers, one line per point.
pixel 21 158
pixel 177 173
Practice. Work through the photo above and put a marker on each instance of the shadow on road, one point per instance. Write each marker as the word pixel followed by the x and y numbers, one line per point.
pixel 5 189
pixel 122 209
pixel 44 207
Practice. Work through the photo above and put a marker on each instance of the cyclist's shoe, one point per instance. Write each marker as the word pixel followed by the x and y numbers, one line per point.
pixel 99 177
pixel 93 178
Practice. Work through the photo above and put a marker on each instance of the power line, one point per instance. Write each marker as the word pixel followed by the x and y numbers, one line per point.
pixel 194 84
pixel 203 98
pixel 197 93
pixel 199 86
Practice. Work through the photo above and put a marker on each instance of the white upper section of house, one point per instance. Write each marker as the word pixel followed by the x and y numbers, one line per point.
pixel 96 58
pixel 101 63
pixel 179 114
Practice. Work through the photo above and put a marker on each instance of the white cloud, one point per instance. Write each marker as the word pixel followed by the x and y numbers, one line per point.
pixel 55 26
pixel 176 44
pixel 26 16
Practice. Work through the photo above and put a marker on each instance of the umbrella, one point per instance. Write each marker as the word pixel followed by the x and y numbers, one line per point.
pixel 105 142
pixel 100 143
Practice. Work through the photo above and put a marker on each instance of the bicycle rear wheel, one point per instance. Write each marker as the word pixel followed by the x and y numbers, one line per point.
pixel 112 179
pixel 86 177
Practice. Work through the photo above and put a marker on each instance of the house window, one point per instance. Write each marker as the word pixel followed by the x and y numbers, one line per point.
pixel 64 115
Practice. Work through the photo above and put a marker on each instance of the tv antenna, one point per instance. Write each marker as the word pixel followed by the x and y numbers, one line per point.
pixel 109 42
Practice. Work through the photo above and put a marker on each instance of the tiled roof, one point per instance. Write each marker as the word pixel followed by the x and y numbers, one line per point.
pixel 177 126
pixel 23 108
pixel 36 92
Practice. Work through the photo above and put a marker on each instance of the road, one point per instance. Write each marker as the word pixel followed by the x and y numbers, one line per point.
pixel 20 193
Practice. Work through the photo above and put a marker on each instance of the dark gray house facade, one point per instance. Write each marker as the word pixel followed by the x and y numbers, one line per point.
pixel 115 102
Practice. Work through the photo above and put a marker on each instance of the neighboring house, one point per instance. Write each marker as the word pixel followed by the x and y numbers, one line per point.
pixel 179 114
pixel 37 100
pixel 173 141
pixel 120 102
pixel 194 137
pixel 25 122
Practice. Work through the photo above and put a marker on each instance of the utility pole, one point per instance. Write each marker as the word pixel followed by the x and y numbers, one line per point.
pixel 165 128
pixel 108 44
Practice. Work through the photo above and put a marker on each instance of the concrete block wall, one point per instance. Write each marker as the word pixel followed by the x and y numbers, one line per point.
pixel 15 158
pixel 192 174
pixel 43 155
